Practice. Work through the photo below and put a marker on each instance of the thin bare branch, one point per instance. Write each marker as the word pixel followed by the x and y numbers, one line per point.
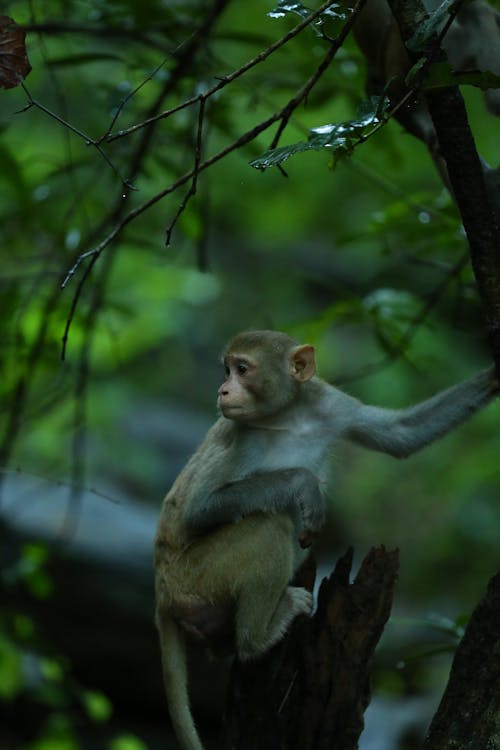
pixel 282 116
pixel 184 55
pixel 196 168
pixel 226 80
pixel 129 96
pixel 19 471
pixel 74 303
pixel 178 52
pixel 247 137
pixel 86 138
pixel 244 139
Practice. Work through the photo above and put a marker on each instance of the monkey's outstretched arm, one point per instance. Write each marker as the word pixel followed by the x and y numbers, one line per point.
pixel 401 432
pixel 294 491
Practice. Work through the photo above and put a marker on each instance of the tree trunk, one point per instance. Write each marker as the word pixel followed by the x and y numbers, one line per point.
pixel 468 717
pixel 310 691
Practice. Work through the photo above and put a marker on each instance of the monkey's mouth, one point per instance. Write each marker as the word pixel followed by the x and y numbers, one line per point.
pixel 232 411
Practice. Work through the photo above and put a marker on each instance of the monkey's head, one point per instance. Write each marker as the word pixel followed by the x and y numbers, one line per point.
pixel 264 371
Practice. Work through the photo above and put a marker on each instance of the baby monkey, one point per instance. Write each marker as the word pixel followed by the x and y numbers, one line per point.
pixel 234 525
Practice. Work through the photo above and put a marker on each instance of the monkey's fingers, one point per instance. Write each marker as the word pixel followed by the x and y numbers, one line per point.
pixel 306 538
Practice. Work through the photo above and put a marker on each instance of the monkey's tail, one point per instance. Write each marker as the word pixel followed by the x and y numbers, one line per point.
pixel 175 675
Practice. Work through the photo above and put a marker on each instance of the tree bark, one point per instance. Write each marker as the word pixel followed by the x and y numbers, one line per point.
pixel 468 717
pixel 310 691
pixel 466 175
pixel 474 197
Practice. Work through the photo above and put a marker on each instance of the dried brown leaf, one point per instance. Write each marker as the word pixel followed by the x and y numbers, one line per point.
pixel 14 63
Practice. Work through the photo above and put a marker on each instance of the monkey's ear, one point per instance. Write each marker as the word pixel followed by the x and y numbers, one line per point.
pixel 302 363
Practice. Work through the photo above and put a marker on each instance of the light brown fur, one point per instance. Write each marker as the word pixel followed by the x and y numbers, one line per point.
pixel 243 568
pixel 239 571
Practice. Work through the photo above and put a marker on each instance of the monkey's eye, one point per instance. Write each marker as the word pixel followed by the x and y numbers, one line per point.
pixel 242 368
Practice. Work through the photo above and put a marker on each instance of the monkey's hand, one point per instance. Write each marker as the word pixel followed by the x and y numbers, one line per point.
pixel 306 538
pixel 293 491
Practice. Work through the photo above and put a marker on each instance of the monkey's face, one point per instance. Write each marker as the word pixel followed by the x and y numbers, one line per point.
pixel 263 375
pixel 241 391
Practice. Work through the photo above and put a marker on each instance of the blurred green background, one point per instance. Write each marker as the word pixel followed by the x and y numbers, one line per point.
pixel 345 258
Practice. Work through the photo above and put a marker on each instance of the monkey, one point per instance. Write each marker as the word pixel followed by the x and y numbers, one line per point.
pixel 236 524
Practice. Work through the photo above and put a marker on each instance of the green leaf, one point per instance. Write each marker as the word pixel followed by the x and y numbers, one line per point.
pixel 52 670
pixel 35 554
pixel 431 26
pixel 445 625
pixel 31 568
pixel 57 735
pixel 440 75
pixel 391 311
pixel 387 303
pixel 97 705
pixel 340 138
pixel 285 7
pixel 24 627
pixel 127 742
pixel 11 682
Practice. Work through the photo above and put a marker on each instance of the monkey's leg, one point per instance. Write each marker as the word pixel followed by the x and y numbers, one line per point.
pixel 260 626
pixel 266 604
pixel 295 601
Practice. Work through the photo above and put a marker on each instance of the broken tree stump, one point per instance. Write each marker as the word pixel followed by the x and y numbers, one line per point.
pixel 310 691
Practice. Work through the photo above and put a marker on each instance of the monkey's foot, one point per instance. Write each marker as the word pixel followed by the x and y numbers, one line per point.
pixel 301 600
pixel 294 601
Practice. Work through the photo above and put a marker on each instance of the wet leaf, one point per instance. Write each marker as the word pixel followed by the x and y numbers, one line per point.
pixel 284 7
pixel 340 138
pixel 14 63
pixel 430 27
